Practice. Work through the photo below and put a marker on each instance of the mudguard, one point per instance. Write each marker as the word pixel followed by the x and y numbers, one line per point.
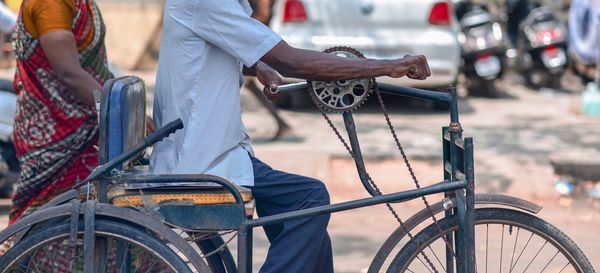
pixel 106 211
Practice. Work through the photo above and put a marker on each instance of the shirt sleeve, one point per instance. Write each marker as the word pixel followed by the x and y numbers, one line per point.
pixel 226 25
pixel 52 15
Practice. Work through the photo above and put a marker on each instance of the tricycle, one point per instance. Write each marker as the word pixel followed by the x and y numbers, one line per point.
pixel 124 219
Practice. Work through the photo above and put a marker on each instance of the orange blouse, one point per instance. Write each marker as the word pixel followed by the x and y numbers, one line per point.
pixel 43 16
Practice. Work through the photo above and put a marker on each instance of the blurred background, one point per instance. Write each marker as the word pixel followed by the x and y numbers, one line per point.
pixel 524 71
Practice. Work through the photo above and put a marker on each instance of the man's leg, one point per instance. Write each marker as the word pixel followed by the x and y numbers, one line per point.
pixel 299 245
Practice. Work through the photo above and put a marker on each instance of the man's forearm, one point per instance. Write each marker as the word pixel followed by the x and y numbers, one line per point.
pixel 313 65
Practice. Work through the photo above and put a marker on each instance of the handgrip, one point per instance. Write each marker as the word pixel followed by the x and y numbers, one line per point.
pixel 289 87
pixel 164 131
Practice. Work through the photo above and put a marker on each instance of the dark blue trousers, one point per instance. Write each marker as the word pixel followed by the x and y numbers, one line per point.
pixel 298 245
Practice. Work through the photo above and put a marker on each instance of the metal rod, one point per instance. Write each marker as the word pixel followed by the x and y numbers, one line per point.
pixel 380 199
pixel 358 159
pixel 290 87
pixel 455 131
pixel 242 252
pixel 453 104
pixel 448 213
pixel 470 205
pixel 440 97
pixel 249 236
pixel 88 237
pixel 161 133
pixel 461 262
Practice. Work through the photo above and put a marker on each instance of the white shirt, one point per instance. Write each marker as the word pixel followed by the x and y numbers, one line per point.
pixel 8 19
pixel 203 47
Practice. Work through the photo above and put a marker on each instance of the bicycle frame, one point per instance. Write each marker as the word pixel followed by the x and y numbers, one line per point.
pixel 458 185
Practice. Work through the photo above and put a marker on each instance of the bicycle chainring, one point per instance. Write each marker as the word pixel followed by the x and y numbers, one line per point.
pixel 344 95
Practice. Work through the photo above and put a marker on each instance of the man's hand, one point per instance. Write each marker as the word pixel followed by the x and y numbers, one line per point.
pixel 414 67
pixel 269 78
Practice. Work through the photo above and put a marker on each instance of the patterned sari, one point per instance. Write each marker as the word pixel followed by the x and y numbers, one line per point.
pixel 54 133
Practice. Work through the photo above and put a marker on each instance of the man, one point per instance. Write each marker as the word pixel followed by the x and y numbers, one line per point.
pixel 205 47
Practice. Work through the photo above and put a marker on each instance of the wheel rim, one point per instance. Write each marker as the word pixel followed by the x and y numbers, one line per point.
pixel 55 254
pixel 501 246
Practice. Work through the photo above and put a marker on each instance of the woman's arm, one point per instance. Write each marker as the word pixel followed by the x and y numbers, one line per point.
pixel 61 51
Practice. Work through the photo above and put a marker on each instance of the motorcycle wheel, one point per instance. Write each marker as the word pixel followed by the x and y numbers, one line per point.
pixel 479 87
pixel 541 78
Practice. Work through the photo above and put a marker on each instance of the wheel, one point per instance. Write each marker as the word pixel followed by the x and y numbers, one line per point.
pixel 482 87
pixel 128 249
pixel 9 169
pixel 505 241
pixel 542 78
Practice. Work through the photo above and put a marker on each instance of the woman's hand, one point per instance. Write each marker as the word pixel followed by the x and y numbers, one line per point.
pixel 149 125
pixel 269 78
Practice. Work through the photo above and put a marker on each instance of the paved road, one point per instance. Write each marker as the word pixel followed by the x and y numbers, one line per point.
pixel 515 135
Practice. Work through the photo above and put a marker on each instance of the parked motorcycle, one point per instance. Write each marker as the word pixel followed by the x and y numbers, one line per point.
pixel 9 165
pixel 483 47
pixel 541 48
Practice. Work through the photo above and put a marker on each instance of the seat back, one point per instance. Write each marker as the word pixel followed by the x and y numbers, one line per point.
pixel 122 116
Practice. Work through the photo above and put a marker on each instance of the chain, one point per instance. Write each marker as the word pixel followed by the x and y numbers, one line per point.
pixel 409 167
pixel 390 208
pixel 373 87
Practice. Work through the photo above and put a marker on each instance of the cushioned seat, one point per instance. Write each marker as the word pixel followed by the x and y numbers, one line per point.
pixel 165 197
pixel 170 196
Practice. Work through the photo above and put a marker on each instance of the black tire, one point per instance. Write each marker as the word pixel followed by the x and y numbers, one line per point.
pixel 479 87
pixel 542 78
pixel 429 239
pixel 19 257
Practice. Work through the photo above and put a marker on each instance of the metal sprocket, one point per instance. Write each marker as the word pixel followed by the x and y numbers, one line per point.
pixel 345 95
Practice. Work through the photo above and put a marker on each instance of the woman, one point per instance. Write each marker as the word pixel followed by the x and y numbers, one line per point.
pixel 61 60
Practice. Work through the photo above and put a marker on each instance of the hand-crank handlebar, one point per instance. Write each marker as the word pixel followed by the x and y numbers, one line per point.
pixel 448 98
pixel 157 136
pixel 440 97
pixel 290 87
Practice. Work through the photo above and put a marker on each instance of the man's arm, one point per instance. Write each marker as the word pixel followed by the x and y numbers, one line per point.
pixel 313 65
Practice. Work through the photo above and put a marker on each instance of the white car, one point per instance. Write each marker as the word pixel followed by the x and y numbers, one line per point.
pixel 379 29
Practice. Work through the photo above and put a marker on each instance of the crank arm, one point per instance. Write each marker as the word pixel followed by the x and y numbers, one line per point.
pixel 289 87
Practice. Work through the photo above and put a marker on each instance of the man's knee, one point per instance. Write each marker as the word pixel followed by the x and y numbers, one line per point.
pixel 319 196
